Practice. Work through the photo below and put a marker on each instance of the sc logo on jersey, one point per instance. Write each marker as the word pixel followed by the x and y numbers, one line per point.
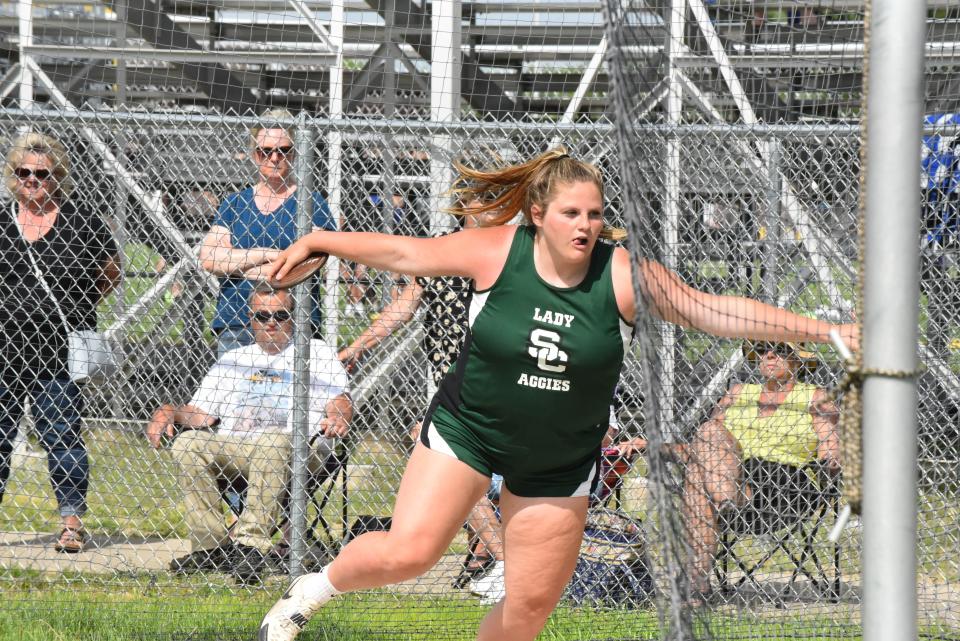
pixel 545 348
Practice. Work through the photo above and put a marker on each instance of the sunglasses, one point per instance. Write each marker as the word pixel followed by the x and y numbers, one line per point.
pixel 780 349
pixel 281 316
pixel 23 173
pixel 284 151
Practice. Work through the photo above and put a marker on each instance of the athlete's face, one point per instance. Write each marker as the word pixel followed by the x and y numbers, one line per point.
pixel 572 220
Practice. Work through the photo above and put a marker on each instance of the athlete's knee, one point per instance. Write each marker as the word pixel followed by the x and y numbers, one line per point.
pixel 409 558
pixel 533 607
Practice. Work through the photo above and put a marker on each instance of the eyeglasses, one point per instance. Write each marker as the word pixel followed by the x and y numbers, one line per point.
pixel 281 316
pixel 284 151
pixel 780 349
pixel 23 173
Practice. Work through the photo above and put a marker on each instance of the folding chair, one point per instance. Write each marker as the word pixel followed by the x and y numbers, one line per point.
pixel 613 468
pixel 749 520
pixel 321 490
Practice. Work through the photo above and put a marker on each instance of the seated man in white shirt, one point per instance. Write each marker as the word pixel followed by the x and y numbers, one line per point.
pixel 239 423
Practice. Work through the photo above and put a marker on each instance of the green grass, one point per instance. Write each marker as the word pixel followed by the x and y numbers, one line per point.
pixel 135 494
pixel 134 490
pixel 35 612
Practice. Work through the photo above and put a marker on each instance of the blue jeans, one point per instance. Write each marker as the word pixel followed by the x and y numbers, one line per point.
pixel 231 338
pixel 56 408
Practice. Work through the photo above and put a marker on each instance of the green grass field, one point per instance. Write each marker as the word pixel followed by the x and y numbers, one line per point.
pixel 35 614
pixel 134 491
pixel 134 494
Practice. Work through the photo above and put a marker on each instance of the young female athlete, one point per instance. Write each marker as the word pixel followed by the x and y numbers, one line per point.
pixel 529 395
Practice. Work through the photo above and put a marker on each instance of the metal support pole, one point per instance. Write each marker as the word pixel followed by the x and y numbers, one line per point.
pixel 328 40
pixel 302 331
pixel 120 402
pixel 120 6
pixel 445 75
pixel 772 241
pixel 25 26
pixel 152 202
pixel 331 311
pixel 891 316
pixel 671 210
pixel 586 80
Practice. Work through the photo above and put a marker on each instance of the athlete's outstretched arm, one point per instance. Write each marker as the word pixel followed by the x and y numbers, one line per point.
pixel 728 316
pixel 473 253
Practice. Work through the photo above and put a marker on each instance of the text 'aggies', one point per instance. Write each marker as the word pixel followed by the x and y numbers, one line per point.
pixel 544 347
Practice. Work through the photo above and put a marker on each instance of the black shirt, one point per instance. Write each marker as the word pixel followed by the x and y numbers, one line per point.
pixel 33 339
pixel 445 323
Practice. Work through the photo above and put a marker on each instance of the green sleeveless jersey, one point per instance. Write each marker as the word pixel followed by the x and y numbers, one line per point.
pixel 540 363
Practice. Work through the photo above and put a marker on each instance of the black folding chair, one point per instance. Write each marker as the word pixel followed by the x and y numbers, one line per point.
pixel 782 533
pixel 322 487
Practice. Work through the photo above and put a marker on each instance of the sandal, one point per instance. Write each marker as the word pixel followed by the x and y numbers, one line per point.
pixel 71 540
pixel 473 568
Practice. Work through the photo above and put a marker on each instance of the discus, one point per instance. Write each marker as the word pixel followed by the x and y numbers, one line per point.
pixel 299 273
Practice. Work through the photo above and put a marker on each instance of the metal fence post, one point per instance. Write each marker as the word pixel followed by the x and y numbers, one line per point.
pixel 772 242
pixel 891 316
pixel 302 333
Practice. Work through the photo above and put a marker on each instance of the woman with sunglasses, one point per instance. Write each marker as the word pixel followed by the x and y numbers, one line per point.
pixel 252 226
pixel 55 257
pixel 550 322
pixel 749 465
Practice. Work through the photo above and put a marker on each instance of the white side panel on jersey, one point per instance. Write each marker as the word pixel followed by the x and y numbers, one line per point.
pixel 476 305
pixel 626 335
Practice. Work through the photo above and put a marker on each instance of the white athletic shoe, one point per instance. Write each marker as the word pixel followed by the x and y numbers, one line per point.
pixel 490 586
pixel 295 608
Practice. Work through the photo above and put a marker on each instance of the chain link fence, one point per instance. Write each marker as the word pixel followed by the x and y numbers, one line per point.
pixel 765 211
pixel 777 225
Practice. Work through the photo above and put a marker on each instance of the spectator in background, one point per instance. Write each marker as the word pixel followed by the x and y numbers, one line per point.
pixel 804 18
pixel 393 215
pixel 56 260
pixel 239 423
pixel 445 323
pixel 941 225
pixel 754 452
pixel 252 226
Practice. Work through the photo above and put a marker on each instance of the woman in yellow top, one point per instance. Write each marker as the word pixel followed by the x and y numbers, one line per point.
pixel 754 451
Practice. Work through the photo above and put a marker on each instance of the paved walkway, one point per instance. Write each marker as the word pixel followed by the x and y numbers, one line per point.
pixel 118 556
pixel 103 555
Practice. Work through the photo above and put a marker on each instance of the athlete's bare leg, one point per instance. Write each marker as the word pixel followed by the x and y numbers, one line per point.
pixel 541 539
pixel 436 495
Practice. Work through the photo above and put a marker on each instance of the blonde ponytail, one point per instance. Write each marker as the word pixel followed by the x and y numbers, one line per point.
pixel 507 191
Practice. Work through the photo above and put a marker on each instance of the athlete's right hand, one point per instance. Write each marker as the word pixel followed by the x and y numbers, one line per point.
pixel 287 260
